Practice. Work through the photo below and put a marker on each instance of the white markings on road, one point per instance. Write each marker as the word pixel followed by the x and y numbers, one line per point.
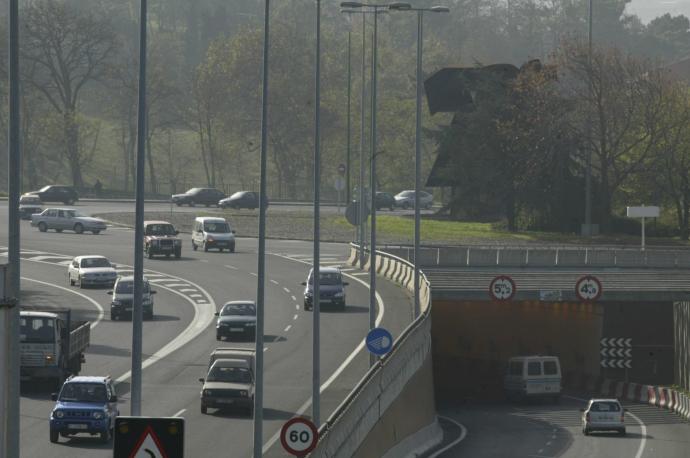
pixel 84 296
pixel 177 414
pixel 64 263
pixel 173 285
pixel 286 290
pixel 287 328
pixel 45 258
pixel 274 282
pixel 360 273
pixel 296 315
pixel 296 306
pixel 253 274
pixel 195 295
pixel 231 267
pixel 643 427
pixel 203 260
pixel 463 434
pixel 188 290
pixel 293 298
pixel 265 349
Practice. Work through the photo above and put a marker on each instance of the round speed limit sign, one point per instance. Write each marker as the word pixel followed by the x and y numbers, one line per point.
pixel 299 436
pixel 502 288
pixel 588 288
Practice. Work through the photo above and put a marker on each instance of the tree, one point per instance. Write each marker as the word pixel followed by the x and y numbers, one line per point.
pixel 69 49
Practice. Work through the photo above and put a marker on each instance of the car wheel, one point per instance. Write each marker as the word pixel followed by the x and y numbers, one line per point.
pixel 194 247
pixel 71 282
pixel 54 436
pixel 232 248
pixel 178 254
pixel 220 250
pixel 81 283
pixel 179 204
pixel 96 232
pixel 42 227
pixel 191 203
pixel 167 255
pixel 219 337
pixel 622 432
pixel 207 205
pixel 205 246
pixel 204 409
pixel 78 228
pixel 149 253
pixel 405 205
pixel 69 202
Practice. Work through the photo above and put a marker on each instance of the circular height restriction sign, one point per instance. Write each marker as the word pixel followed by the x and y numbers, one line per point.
pixel 502 288
pixel 299 436
pixel 588 288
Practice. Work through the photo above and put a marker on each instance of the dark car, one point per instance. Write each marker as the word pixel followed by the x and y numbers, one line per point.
pixel 56 193
pixel 236 319
pixel 241 199
pixel 385 200
pixel 331 288
pixel 201 196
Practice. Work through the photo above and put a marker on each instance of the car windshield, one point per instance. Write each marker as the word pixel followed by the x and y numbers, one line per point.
pixel 73 214
pixel 238 194
pixel 217 228
pixel 193 190
pixel 37 329
pixel 83 392
pixel 406 194
pixel 160 229
pixel 327 278
pixel 44 189
pixel 95 262
pixel 239 309
pixel 127 287
pixel 605 406
pixel 229 374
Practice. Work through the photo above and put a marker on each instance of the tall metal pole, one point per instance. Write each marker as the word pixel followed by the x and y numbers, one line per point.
pixel 261 269
pixel 316 370
pixel 349 104
pixel 418 160
pixel 9 311
pixel 362 145
pixel 372 189
pixel 135 402
pixel 588 164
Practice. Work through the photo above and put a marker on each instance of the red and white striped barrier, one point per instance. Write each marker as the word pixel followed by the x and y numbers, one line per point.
pixel 663 397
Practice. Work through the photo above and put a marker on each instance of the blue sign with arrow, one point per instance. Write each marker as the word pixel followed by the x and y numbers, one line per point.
pixel 379 341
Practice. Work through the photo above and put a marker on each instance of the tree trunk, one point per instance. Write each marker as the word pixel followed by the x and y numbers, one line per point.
pixel 72 148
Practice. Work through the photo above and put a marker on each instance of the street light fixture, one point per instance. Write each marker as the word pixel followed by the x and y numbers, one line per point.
pixel 418 137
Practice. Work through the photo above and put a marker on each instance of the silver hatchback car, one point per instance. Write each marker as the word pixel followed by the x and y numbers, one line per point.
pixel 603 415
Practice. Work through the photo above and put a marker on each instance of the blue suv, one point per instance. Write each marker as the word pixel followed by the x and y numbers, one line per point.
pixel 85 405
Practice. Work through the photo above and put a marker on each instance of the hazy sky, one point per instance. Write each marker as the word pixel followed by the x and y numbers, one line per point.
pixel 649 9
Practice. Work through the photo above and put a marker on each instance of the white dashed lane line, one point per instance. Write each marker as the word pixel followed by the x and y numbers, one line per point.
pixel 231 267
pixel 287 328
pixel 295 317
pixel 188 290
pixel 274 282
pixel 286 290
pixel 293 298
pixel 297 306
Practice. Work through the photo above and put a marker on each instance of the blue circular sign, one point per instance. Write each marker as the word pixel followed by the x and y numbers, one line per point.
pixel 379 341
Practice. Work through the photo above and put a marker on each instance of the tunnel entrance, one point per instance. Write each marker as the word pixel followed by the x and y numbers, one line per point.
pixel 472 341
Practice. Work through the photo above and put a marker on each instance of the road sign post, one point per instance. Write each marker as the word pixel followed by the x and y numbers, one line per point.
pixel 299 436
pixel 339 185
pixel 148 437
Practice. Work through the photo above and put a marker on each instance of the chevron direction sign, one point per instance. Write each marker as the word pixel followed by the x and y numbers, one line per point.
pixel 616 352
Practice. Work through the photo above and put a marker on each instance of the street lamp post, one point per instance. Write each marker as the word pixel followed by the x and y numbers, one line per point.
pixel 418 139
pixel 588 165
pixel 316 382
pixel 349 105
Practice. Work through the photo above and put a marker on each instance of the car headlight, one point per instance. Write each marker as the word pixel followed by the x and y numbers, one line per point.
pixel 208 393
pixel 98 415
pixel 49 358
pixel 210 239
pixel 59 414
pixel 243 393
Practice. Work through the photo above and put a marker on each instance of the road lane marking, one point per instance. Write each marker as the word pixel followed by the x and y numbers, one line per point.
pixel 296 306
pixel 286 290
pixel 360 273
pixel 295 317
pixel 203 260
pixel 643 427
pixel 463 434
pixel 231 267
pixel 341 368
pixel 293 298
pixel 84 296
pixel 274 282
pixel 188 290
pixel 43 258
pixel 287 328
pixel 196 295
pixel 253 274
pixel 177 414
pixel 174 285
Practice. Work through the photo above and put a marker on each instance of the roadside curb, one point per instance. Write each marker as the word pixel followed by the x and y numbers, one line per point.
pixel 659 396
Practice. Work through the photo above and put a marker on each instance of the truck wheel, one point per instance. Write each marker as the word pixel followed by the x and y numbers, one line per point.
pixel 43 227
pixel 178 253
pixel 78 228
pixel 54 436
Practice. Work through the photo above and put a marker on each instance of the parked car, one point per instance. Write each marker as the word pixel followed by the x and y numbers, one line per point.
pixel 229 384
pixel 66 218
pixel 385 200
pixel 241 199
pixel 603 415
pixel 236 319
pixel 160 237
pixel 85 405
pixel 405 199
pixel 56 193
pixel 209 232
pixel 533 376
pixel 91 270
pixel 331 288
pixel 201 196
pixel 123 297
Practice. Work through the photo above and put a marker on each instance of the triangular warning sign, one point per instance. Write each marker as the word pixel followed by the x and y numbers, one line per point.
pixel 148 446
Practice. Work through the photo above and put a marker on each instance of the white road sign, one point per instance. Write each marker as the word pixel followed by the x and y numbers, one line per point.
pixel 502 288
pixel 588 288
pixel 299 436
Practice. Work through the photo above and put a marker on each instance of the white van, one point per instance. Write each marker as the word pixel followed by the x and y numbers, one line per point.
pixel 211 232
pixel 533 376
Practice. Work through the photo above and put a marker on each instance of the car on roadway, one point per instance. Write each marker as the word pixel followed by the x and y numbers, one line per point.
pixel 385 200
pixel 29 204
pixel 331 288
pixel 211 232
pixel 241 199
pixel 69 219
pixel 236 319
pixel 55 193
pixel 229 384
pixel 123 298
pixel 405 199
pixel 201 196
pixel 160 237
pixel 603 415
pixel 91 270
pixel 84 405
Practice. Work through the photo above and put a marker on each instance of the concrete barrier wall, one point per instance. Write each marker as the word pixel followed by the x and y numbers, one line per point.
pixel 681 341
pixel 391 412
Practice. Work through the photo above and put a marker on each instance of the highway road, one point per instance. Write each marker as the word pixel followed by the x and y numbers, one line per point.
pixel 178 341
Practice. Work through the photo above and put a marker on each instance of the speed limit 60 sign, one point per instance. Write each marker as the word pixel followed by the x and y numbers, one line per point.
pixel 502 288
pixel 299 436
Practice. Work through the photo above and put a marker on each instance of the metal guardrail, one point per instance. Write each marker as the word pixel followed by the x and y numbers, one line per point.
pixel 344 409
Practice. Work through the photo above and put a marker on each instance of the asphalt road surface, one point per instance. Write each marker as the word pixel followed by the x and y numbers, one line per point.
pixel 178 341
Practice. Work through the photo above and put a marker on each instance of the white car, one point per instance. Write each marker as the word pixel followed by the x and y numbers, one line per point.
pixel 405 199
pixel 91 270
pixel 603 415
